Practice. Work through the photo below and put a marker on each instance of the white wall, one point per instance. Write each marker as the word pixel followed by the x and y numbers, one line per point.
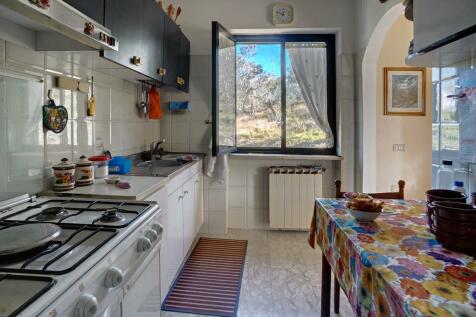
pixel 414 164
pixel 29 151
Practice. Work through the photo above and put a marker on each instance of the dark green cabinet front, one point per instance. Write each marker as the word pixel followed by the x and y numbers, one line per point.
pixel 171 52
pixel 184 63
pixel 92 8
pixel 149 41
pixel 126 23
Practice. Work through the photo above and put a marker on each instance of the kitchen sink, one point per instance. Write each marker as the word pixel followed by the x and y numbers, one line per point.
pixel 159 163
pixel 162 168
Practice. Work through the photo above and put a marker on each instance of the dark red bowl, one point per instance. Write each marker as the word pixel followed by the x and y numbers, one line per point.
pixel 457 243
pixel 466 229
pixel 453 211
pixel 445 195
pixel 434 195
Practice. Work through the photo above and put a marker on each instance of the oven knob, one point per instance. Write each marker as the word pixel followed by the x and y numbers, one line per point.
pixel 143 244
pixel 151 235
pixel 113 278
pixel 87 306
pixel 157 228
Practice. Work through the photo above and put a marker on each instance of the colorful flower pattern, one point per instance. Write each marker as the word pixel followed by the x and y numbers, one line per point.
pixel 394 266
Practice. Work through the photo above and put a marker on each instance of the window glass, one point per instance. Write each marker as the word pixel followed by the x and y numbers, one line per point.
pixel 448 105
pixel 258 93
pixel 226 79
pixel 302 130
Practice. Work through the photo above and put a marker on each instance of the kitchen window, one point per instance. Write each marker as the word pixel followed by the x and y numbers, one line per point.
pixel 273 93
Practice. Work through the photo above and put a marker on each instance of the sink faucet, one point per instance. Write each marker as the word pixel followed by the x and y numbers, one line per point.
pixel 156 150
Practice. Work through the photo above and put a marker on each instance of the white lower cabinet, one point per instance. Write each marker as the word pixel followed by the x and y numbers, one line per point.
pixel 189 214
pixel 175 236
pixel 181 222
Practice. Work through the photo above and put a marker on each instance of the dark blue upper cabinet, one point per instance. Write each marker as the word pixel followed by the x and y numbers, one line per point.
pixel 92 8
pixel 149 41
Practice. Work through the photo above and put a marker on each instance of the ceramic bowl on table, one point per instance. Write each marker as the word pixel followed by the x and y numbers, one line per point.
pixel 364 216
pixel 365 209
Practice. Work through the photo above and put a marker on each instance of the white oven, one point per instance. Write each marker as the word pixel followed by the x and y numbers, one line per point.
pixel 124 283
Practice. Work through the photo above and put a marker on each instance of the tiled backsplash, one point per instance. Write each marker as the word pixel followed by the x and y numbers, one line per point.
pixel 24 145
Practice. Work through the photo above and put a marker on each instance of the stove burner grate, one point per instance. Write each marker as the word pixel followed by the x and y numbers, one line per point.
pixel 52 213
pixel 109 216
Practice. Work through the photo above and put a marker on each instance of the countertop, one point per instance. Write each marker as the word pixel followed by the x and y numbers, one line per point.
pixel 141 187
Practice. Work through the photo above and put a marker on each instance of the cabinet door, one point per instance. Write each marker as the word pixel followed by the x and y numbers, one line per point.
pixel 171 52
pixel 188 214
pixel 153 40
pixel 92 8
pixel 198 191
pixel 125 19
pixel 175 233
pixel 184 62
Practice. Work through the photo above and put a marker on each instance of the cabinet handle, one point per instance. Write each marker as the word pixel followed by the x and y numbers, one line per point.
pixel 185 192
pixel 180 197
pixel 162 71
pixel 136 60
pixel 180 81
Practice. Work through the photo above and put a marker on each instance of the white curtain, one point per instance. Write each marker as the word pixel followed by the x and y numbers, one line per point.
pixel 309 64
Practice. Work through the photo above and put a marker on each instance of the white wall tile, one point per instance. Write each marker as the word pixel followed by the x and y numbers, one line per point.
pixel 2 50
pixel 102 102
pixel 254 197
pixel 200 66
pixel 238 172
pixel 200 133
pixel 217 200
pixel 102 132
pixel 217 222
pixel 83 138
pixel 237 196
pixel 180 131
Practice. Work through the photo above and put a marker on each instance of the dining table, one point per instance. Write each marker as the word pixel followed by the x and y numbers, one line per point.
pixel 392 266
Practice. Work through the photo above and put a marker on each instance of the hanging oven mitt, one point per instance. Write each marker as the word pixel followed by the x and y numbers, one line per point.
pixel 154 104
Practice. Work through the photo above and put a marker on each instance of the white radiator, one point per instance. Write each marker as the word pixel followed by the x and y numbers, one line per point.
pixel 291 199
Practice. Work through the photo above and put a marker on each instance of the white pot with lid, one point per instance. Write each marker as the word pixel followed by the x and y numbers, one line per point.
pixel 64 175
pixel 84 172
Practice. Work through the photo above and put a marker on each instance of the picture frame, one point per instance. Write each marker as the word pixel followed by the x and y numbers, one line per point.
pixel 404 91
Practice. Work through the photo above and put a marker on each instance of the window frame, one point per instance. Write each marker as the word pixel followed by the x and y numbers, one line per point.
pixel 329 40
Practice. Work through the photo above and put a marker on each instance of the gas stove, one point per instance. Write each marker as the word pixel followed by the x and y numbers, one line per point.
pixel 114 237
pixel 111 214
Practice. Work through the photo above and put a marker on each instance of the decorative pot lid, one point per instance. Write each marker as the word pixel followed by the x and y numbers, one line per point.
pixel 65 164
pixel 83 162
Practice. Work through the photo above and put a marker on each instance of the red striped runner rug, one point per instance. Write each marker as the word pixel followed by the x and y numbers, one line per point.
pixel 210 281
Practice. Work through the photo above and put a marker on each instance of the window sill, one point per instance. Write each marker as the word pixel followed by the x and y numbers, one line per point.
pixel 289 156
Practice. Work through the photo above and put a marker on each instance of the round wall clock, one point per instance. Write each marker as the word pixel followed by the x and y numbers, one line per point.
pixel 283 14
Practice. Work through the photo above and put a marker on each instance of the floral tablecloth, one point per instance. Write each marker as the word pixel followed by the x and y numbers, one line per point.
pixel 394 266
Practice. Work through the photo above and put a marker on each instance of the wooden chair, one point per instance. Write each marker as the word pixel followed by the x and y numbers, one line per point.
pixel 388 195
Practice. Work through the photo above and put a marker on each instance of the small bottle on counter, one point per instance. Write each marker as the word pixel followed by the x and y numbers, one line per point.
pixel 459 187
pixel 445 175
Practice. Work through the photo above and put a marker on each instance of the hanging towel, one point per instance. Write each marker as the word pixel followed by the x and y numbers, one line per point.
pixel 216 167
pixel 154 104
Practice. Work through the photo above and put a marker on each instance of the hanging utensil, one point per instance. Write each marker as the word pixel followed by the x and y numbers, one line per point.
pixel 179 10
pixel 91 110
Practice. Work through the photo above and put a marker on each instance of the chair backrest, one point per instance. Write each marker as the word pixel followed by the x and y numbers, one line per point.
pixel 389 195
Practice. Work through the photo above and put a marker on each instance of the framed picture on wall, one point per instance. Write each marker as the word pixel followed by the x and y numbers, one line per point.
pixel 404 91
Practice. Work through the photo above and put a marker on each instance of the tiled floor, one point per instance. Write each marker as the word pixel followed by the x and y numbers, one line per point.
pixel 281 278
